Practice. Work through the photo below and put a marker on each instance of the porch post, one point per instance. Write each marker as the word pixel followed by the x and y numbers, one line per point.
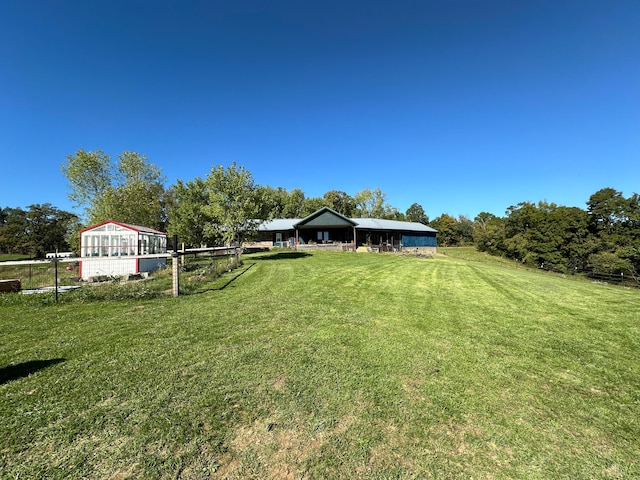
pixel 297 240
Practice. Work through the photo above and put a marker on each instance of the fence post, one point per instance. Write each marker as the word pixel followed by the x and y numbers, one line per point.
pixel 175 272
pixel 55 277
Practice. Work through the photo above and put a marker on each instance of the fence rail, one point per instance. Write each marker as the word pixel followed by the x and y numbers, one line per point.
pixel 58 273
pixel 616 278
pixel 35 274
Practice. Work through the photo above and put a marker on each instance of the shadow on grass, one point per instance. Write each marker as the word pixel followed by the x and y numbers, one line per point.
pixel 234 278
pixel 283 256
pixel 223 286
pixel 24 369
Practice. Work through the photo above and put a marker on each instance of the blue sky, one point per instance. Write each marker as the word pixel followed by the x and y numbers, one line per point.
pixel 461 106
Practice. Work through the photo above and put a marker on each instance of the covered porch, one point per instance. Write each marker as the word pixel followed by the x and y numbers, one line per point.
pixel 325 229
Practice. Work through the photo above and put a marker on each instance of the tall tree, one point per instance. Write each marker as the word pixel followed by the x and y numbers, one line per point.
pixel 488 233
pixel 294 204
pixel 415 213
pixel 130 190
pixel 341 202
pixel 392 213
pixel 447 227
pixel 49 228
pixel 464 230
pixel 187 218
pixel 90 174
pixel 272 201
pixel 312 204
pixel 40 229
pixel 233 204
pixel 370 203
pixel 615 223
pixel 607 210
pixel 13 231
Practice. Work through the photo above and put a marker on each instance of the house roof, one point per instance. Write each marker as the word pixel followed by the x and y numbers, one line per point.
pixel 136 228
pixel 382 224
pixel 325 216
pixel 278 224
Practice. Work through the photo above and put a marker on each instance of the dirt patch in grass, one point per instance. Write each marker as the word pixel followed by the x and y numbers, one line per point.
pixel 276 447
pixel 391 451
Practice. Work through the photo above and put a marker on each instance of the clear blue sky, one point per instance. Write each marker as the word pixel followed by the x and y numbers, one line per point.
pixel 462 106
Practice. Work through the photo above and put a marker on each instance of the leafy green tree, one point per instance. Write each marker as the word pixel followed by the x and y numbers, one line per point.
pixel 294 205
pixel 415 213
pixel 138 179
pixel 447 227
pixel 464 230
pixel 272 201
pixel 604 238
pixel 609 263
pixel 40 229
pixel 607 211
pixel 90 174
pixel 615 223
pixel 49 228
pixel 233 204
pixel 371 203
pixel 568 232
pixel 392 213
pixel 548 236
pixel 187 218
pixel 130 190
pixel 341 202
pixel 482 219
pixel 312 204
pixel 489 233
pixel 13 231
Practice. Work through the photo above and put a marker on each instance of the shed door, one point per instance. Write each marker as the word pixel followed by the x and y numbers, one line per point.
pixel 278 237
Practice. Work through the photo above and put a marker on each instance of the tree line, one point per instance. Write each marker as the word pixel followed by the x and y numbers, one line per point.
pixel 223 207
pixel 226 204
pixel 604 238
pixel 39 229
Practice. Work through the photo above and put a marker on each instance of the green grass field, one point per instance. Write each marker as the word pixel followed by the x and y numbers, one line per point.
pixel 8 257
pixel 330 365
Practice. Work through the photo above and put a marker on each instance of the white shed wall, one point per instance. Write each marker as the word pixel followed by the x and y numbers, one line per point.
pixel 109 266
pixel 120 266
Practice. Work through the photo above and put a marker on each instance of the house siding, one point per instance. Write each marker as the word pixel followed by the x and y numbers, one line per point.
pixel 410 239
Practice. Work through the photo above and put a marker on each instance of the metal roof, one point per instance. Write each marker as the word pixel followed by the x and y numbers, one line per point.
pixel 137 228
pixel 382 224
pixel 325 217
pixel 282 224
pixel 278 224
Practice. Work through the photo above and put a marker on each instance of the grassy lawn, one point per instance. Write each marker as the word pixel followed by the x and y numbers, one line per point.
pixel 330 365
pixel 9 257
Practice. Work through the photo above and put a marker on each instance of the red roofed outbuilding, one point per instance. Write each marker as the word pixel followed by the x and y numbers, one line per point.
pixel 115 249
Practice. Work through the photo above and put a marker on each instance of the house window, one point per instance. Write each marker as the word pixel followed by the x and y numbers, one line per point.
pixel 323 236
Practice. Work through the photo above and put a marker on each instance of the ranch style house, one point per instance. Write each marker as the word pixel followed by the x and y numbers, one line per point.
pixel 327 229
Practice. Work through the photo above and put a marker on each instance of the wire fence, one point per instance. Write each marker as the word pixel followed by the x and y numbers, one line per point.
pixel 60 274
pixel 36 274
pixel 616 278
